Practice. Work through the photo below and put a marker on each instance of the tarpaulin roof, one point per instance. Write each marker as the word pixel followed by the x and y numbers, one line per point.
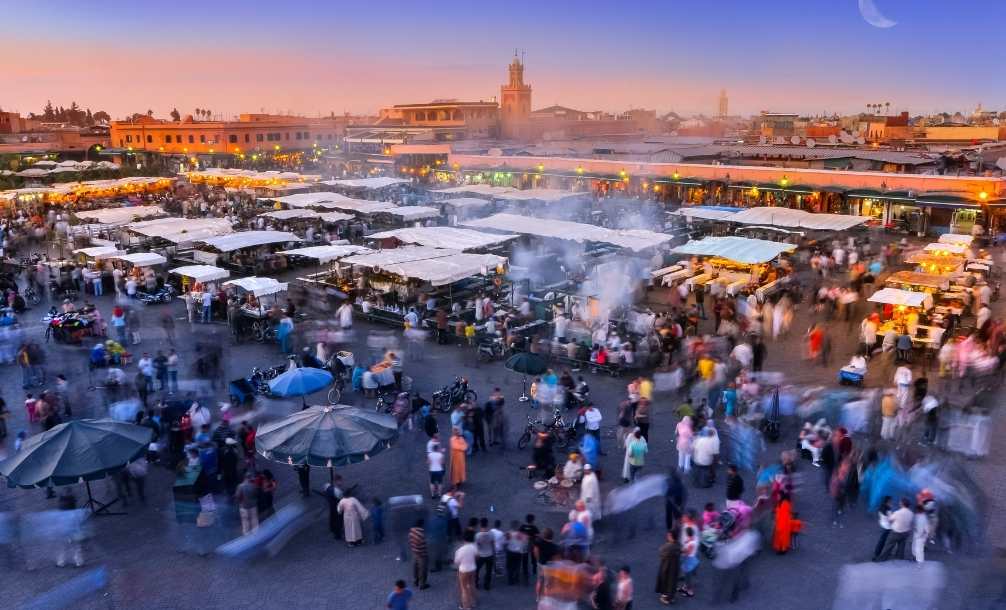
pixel 290 214
pixel 478 189
pixel 119 216
pixel 547 195
pixel 411 212
pixel 325 254
pixel 740 249
pixel 99 252
pixel 451 238
pixel 448 269
pixel 465 202
pixel 633 239
pixel 367 183
pixel 929 280
pixel 309 200
pixel 954 238
pixel 179 230
pixel 780 217
pixel 335 216
pixel 141 259
pixel 707 213
pixel 258 286
pixel 945 248
pixel 202 273
pixel 895 296
pixel 248 239
pixel 360 206
pixel 395 256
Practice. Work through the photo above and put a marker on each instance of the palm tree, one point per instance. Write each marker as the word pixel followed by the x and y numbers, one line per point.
pixel 199 112
pixel 887 108
pixel 208 115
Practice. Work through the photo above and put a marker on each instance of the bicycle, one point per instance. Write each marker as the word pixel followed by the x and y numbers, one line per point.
pixel 32 296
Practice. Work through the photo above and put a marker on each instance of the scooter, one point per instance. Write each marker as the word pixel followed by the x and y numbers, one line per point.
pixel 447 397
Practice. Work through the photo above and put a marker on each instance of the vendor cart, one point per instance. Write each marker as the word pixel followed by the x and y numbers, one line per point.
pixel 258 295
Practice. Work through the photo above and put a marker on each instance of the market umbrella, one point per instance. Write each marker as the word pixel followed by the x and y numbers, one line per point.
pixel 79 450
pixel 526 363
pixel 300 381
pixel 326 436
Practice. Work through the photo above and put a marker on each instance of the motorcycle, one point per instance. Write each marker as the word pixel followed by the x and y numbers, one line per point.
pixel 491 350
pixel 562 433
pixel 162 295
pixel 447 397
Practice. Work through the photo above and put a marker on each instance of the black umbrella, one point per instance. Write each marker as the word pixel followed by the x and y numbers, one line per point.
pixel 82 450
pixel 326 436
pixel 526 363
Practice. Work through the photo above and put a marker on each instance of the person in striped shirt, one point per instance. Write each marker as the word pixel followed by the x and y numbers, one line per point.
pixel 420 555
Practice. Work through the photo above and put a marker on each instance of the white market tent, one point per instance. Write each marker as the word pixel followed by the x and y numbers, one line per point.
pixel 290 214
pixel 632 239
pixel 541 194
pixel 141 259
pixel 367 183
pixel 309 200
pixel 45 163
pixel 465 203
pixel 778 217
pixel 945 248
pixel 248 239
pixel 411 212
pixel 335 216
pixel 447 269
pixel 119 216
pixel 394 256
pixel 99 252
pixel 740 249
pixel 361 206
pixel 327 254
pixel 33 172
pixel 477 189
pixel 896 296
pixel 451 238
pixel 955 238
pixel 202 273
pixel 258 286
pixel 707 213
pixel 181 230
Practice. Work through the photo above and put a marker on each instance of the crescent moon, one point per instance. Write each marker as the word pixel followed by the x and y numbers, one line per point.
pixel 873 16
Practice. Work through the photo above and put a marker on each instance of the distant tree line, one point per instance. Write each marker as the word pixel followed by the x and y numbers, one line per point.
pixel 74 115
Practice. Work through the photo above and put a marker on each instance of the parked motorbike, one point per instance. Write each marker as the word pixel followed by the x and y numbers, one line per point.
pixel 563 433
pixel 446 398
pixel 161 295
pixel 491 349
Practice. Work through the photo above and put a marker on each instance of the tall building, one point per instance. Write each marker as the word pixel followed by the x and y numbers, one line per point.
pixel 515 100
pixel 723 105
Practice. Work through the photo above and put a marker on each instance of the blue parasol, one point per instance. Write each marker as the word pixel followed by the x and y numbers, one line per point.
pixel 299 382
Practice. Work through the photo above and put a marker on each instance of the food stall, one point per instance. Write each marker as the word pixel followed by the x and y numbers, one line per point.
pixel 403 216
pixel 955 238
pixel 905 310
pixel 388 282
pixel 257 295
pixel 737 263
pixel 173 234
pixel 935 264
pixel 324 290
pixel 248 251
pixel 919 282
pixel 463 208
pixel 195 277
pixel 450 238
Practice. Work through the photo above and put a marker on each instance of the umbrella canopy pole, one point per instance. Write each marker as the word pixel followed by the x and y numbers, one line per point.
pixel 523 389
pixel 97 507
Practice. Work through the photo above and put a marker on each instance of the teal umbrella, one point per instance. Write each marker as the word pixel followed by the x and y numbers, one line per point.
pixel 82 450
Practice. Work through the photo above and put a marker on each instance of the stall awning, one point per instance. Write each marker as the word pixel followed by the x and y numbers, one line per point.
pixel 367 183
pixel 927 280
pixel 359 206
pixel 472 203
pixel 202 273
pixel 947 201
pixel 741 249
pixel 632 239
pixel 786 217
pixel 412 212
pixel 895 296
pixel 290 214
pixel 395 256
pixel 448 269
pixel 708 213
pixel 954 238
pixel 310 200
pixel 141 259
pixel 943 249
pixel 119 216
pixel 451 238
pixel 180 230
pixel 545 195
pixel 258 286
pixel 99 252
pixel 327 254
pixel 335 217
pixel 477 189
pixel 249 239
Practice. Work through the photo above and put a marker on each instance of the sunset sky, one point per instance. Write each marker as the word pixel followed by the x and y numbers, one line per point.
pixel 310 57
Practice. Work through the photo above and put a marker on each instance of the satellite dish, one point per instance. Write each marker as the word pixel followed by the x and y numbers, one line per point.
pixel 795 140
pixel 763 140
pixel 811 143
pixel 779 140
pixel 846 138
pixel 860 140
pixel 832 139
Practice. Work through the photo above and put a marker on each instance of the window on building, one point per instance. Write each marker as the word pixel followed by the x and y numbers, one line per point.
pixel 288 135
pixel 307 135
pixel 150 139
pixel 191 139
pixel 258 137
pixel 298 135
pixel 129 138
pixel 233 139
pixel 247 138
pixel 167 139
pixel 216 139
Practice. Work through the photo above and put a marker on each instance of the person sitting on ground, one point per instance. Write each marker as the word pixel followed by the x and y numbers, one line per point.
pixel 573 469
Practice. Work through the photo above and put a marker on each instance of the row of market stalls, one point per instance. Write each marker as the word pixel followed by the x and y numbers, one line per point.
pixel 89 190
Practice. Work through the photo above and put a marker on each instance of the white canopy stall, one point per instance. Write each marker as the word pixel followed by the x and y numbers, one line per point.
pixel 955 238
pixel 327 254
pixel 119 216
pixel 202 273
pixel 945 249
pixel 310 200
pixel 248 239
pixel 539 194
pixel 291 214
pixel 740 249
pixel 485 190
pixel 631 239
pixel 369 184
pixel 98 253
pixel 448 269
pixel 410 213
pixel 181 230
pixel 778 217
pixel 451 238
pixel 141 259
pixel 896 296
pixel 258 286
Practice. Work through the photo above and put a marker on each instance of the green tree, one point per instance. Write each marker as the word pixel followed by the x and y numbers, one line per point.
pixel 175 115
pixel 102 116
pixel 49 113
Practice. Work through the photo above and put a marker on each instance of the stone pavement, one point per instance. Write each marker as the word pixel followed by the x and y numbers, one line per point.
pixel 147 570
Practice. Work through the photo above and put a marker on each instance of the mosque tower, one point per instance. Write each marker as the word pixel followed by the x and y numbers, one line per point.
pixel 515 100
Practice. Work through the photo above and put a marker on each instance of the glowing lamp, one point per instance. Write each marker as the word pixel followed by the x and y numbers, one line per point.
pixel 675 175
pixel 656 188
pixel 98 148
pixel 541 167
pixel 276 147
pixel 983 195
pixel 784 181
pixel 579 170
pixel 211 151
pixel 130 149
